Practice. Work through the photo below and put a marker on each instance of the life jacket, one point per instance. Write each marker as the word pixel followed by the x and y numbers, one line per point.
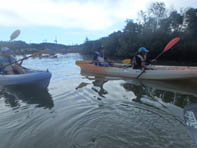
pixel 135 64
pixel 99 57
pixel 4 63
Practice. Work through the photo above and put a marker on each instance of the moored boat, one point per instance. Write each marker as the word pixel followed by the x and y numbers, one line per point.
pixel 154 72
pixel 35 78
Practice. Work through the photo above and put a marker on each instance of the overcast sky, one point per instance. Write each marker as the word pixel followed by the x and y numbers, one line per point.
pixel 71 21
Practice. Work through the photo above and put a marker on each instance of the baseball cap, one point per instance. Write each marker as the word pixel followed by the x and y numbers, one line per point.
pixel 142 49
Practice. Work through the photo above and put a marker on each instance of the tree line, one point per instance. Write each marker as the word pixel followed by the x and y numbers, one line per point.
pixel 154 28
pixel 21 47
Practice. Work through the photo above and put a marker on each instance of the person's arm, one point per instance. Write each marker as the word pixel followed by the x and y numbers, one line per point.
pixel 20 63
pixel 17 66
pixel 148 61
pixel 13 60
pixel 143 65
pixel 153 60
pixel 1 64
pixel 139 62
pixel 95 58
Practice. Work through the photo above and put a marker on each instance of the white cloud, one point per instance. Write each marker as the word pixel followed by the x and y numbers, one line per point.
pixel 84 14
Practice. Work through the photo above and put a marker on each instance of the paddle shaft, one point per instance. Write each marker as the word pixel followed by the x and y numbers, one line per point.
pixel 158 56
pixel 140 74
pixel 17 61
pixel 33 55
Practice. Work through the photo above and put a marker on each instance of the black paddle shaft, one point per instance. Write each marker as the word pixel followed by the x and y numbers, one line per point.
pixel 140 74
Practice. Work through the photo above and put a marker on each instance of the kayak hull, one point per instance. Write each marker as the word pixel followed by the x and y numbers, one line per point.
pixel 155 72
pixel 40 79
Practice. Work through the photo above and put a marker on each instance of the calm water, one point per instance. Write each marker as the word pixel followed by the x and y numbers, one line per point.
pixel 83 111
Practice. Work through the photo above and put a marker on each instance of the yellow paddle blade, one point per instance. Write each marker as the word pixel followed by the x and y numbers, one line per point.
pixel 126 61
pixel 82 62
pixel 39 52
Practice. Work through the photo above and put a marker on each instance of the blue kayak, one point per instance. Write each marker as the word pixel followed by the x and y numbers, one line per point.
pixel 35 78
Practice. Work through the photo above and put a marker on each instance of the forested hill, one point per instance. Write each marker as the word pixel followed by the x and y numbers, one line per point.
pixel 154 29
pixel 20 47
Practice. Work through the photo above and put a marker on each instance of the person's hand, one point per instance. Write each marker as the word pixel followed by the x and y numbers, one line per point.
pixel 154 60
pixel 20 63
pixel 143 68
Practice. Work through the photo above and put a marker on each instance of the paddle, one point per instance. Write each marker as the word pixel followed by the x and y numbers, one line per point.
pixel 167 47
pixel 33 55
pixel 14 35
pixel 126 61
pixel 190 118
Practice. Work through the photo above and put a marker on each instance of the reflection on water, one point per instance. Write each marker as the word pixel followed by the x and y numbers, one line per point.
pixel 190 117
pixel 98 87
pixel 179 94
pixel 98 83
pixel 16 96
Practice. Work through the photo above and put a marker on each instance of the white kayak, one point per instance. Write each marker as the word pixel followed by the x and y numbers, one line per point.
pixel 35 78
pixel 154 72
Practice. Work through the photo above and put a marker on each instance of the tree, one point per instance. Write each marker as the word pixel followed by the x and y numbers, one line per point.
pixel 191 19
pixel 158 11
pixel 143 17
pixel 175 21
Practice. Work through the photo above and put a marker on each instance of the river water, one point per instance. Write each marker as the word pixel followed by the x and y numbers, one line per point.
pixel 84 111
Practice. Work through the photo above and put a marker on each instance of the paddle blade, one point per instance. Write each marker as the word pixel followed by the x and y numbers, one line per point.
pixel 171 43
pixel 126 61
pixel 14 35
pixel 39 52
pixel 82 62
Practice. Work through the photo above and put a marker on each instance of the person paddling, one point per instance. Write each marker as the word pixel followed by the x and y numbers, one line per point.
pixel 6 60
pixel 140 60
